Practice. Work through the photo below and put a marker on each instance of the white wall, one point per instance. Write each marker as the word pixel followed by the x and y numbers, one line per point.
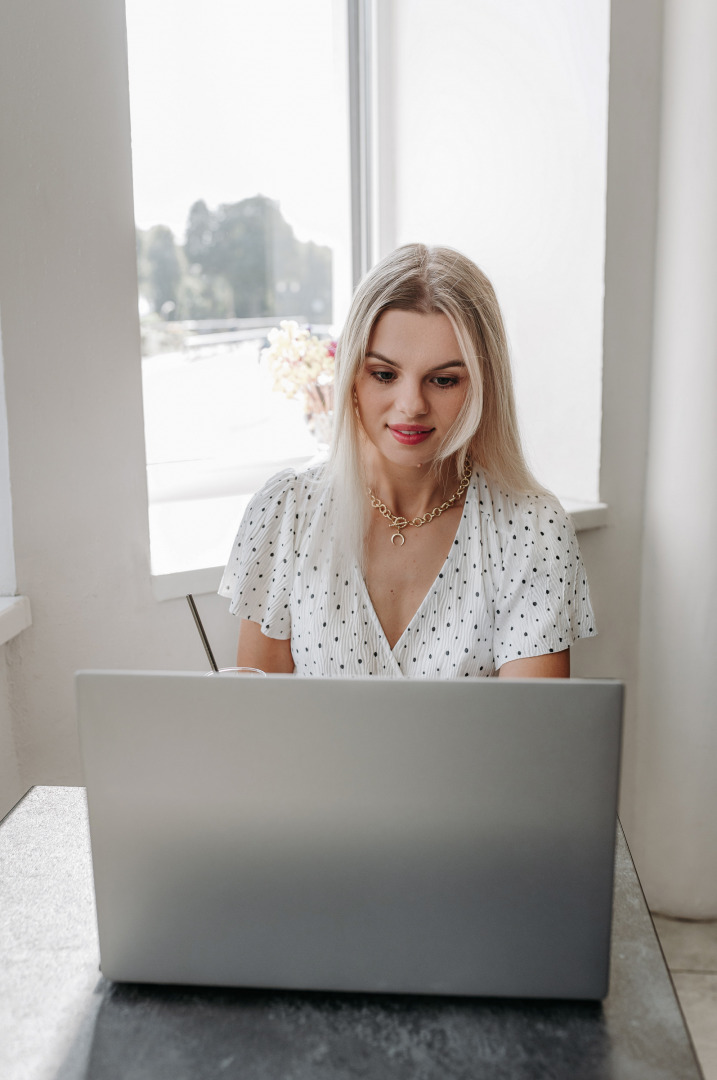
pixel 7 554
pixel 677 732
pixel 11 782
pixel 614 554
pixel 652 570
pixel 67 296
pixel 72 374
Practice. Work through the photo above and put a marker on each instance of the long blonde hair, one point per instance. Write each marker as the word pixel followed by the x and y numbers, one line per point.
pixel 429 280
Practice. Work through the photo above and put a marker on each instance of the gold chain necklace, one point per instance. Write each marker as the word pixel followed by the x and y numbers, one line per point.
pixel 400 523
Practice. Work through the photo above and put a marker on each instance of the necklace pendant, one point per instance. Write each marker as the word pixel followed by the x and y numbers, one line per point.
pixel 400 523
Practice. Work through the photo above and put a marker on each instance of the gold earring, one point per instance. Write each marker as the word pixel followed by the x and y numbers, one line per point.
pixel 356 408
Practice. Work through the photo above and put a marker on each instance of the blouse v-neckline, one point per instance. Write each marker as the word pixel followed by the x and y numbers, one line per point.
pixel 455 544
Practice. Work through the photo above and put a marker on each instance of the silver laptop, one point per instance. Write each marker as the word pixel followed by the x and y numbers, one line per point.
pixel 430 837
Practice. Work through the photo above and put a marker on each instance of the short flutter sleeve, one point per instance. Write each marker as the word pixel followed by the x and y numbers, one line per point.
pixel 542 602
pixel 259 574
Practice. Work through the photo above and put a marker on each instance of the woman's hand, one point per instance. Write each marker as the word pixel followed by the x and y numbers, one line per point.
pixel 272 655
pixel 550 666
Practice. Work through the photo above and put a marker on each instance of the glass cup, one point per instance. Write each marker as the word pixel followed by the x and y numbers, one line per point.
pixel 238 671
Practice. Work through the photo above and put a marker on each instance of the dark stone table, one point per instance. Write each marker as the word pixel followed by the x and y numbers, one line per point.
pixel 60 1019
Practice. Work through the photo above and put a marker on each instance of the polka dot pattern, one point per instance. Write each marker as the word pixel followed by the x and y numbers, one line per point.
pixel 513 585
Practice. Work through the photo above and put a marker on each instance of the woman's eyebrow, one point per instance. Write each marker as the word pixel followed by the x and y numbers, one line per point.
pixel 393 363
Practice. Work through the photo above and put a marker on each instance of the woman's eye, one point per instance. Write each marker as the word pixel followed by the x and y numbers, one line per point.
pixel 443 382
pixel 383 376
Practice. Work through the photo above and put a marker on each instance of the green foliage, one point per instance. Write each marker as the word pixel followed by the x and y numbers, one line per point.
pixel 241 260
pixel 205 296
pixel 164 271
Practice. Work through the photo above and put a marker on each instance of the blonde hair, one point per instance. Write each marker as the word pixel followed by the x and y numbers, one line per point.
pixel 430 280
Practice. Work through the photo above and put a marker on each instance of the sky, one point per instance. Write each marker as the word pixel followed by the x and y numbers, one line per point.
pixel 231 99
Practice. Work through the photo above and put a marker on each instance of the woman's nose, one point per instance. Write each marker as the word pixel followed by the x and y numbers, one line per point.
pixel 412 401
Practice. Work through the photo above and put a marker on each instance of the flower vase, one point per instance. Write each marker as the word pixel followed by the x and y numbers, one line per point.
pixel 320 425
pixel 318 406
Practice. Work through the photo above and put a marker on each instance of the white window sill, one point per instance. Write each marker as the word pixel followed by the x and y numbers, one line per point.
pixel 170 586
pixel 15 616
pixel 584 515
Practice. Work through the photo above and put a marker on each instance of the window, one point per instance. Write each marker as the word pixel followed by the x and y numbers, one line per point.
pixel 496 119
pixel 240 155
pixel 481 126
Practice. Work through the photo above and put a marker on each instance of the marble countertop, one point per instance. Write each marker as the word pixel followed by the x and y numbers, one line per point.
pixel 60 1019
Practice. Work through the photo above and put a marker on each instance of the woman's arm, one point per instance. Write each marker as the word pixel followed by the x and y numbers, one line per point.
pixel 257 650
pixel 549 666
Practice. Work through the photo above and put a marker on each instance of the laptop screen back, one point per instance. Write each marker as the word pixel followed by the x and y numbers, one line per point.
pixel 374 835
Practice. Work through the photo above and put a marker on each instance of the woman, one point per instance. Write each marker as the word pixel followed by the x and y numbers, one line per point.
pixel 424 547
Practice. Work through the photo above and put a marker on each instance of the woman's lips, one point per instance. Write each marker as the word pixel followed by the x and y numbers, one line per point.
pixel 409 434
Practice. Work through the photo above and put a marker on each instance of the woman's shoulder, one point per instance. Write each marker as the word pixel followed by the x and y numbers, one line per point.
pixel 538 512
pixel 286 501
pixel 292 483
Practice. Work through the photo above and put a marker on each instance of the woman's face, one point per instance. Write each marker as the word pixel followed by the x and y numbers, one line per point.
pixel 411 386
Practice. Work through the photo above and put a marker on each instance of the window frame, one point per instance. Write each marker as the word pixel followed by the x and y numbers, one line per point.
pixel 368 41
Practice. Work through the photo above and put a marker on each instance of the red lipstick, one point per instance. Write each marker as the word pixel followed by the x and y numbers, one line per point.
pixel 409 434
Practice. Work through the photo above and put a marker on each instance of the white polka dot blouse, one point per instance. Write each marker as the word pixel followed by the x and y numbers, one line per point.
pixel 513 585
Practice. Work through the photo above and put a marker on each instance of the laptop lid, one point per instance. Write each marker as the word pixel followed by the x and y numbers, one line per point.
pixel 444 837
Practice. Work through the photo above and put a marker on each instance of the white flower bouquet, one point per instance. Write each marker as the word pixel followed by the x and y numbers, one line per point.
pixel 302 365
